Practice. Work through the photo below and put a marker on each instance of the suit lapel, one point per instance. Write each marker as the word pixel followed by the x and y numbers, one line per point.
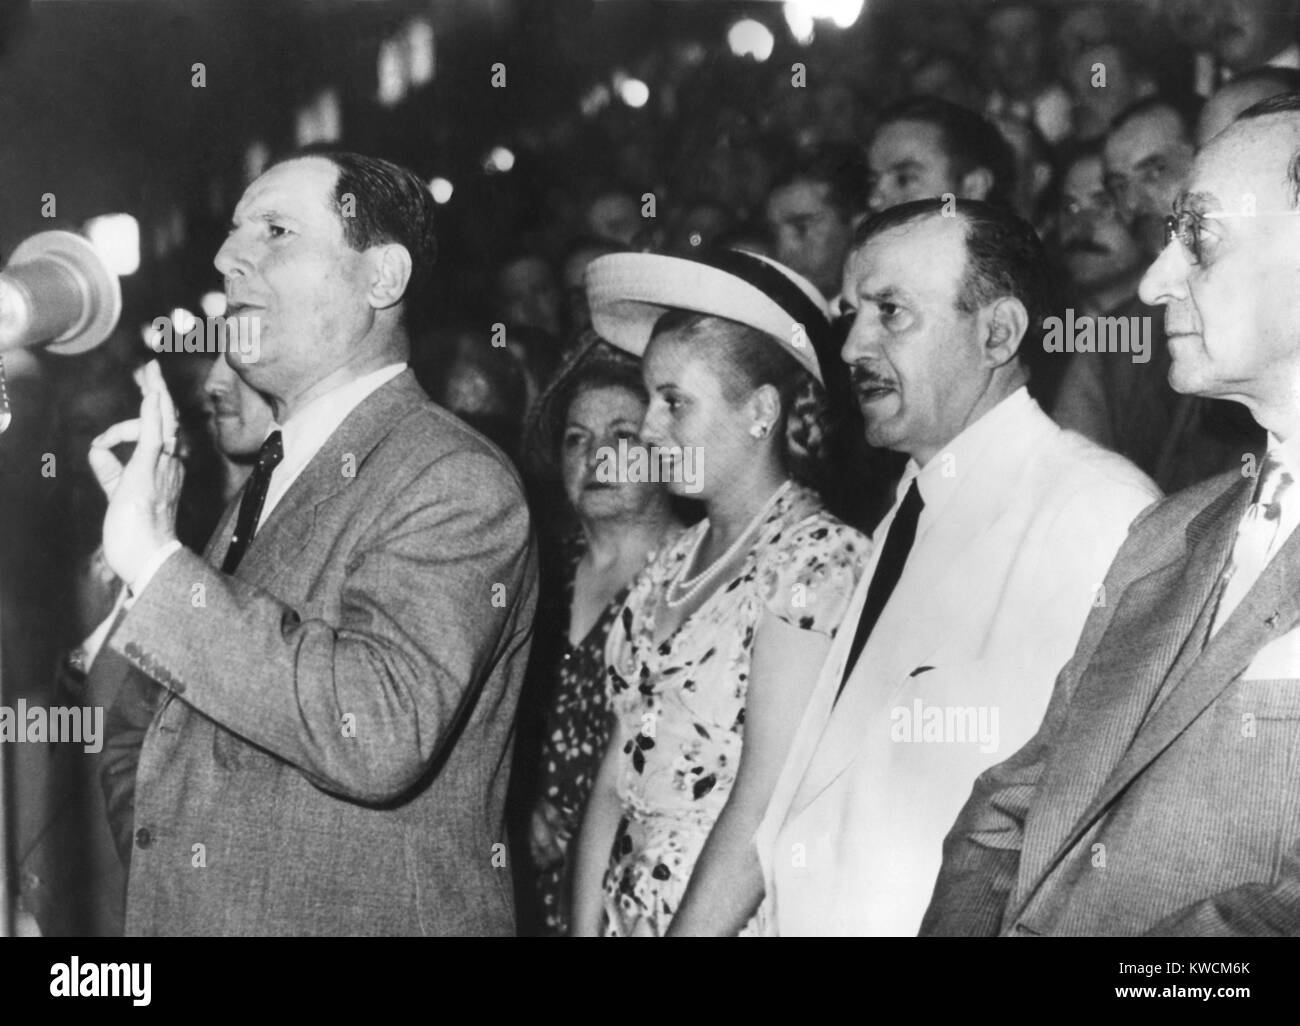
pixel 907 634
pixel 288 529
pixel 1155 645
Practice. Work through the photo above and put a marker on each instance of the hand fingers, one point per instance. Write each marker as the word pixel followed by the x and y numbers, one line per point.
pixel 149 445
pixel 167 405
pixel 120 433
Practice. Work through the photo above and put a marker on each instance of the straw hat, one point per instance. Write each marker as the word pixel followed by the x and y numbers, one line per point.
pixel 628 292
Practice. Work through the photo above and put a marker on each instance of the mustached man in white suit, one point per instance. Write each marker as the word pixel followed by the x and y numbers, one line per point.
pixel 982 575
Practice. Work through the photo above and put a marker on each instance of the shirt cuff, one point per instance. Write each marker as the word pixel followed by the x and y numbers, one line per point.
pixel 151 567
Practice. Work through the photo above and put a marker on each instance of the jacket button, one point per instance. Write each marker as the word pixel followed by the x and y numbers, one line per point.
pixel 143 838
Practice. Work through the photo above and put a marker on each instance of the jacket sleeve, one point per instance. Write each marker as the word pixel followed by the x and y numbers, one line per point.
pixel 125 724
pixel 365 705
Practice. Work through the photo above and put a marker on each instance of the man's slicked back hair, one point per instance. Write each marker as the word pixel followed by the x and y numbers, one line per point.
pixel 1004 257
pixel 381 202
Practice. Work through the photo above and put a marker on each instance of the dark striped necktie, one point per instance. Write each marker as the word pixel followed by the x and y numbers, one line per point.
pixel 889 568
pixel 250 506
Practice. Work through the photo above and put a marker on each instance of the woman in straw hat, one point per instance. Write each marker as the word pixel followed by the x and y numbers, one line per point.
pixel 719 645
pixel 596 401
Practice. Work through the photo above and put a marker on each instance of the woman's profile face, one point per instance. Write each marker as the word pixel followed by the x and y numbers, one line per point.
pixel 700 436
pixel 598 420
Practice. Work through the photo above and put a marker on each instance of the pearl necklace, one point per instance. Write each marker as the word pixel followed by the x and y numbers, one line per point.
pixel 689 589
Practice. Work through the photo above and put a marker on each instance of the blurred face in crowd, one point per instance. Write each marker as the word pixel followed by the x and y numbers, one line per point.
pixel 907 162
pixel 286 262
pixel 1232 98
pixel 1249 32
pixel 1014 39
pixel 599 417
pixel 529 294
pixel 614 216
pixel 1097 247
pixel 1231 303
pixel 240 418
pixel 1081 28
pixel 692 406
pixel 1103 83
pixel 917 362
pixel 812 236
pixel 1148 159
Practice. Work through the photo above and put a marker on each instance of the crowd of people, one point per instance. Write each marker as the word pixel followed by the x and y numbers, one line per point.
pixel 885 644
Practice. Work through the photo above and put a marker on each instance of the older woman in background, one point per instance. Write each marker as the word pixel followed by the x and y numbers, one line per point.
pixel 716 652
pixel 596 402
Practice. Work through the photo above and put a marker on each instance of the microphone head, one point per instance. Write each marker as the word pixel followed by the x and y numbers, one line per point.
pixel 61 295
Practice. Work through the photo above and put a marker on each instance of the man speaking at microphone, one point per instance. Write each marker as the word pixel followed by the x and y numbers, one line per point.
pixel 342 665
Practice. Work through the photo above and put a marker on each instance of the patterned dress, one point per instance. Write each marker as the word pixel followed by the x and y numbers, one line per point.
pixel 576 733
pixel 682 703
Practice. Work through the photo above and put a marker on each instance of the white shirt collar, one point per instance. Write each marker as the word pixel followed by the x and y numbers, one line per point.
pixel 939 478
pixel 303 434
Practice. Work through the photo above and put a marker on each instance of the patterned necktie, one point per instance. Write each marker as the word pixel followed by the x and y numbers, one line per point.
pixel 889 568
pixel 1255 537
pixel 250 506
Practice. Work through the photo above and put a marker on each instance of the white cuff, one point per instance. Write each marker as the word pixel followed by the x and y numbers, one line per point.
pixel 151 567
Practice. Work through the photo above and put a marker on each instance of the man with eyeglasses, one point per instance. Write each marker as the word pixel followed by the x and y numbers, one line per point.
pixel 1158 797
pixel 1119 401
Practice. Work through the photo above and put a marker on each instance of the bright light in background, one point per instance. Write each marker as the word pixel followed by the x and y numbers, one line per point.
pixel 844 13
pixel 634 92
pixel 321 120
pixel 256 157
pixel 392 73
pixel 152 339
pixel 800 22
pixel 500 159
pixel 420 54
pixel 441 189
pixel 595 100
pixel 213 303
pixel 750 38
pixel 116 238
pixel 183 321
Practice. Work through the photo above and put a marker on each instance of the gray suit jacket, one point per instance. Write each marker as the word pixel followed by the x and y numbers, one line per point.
pixel 1160 795
pixel 332 752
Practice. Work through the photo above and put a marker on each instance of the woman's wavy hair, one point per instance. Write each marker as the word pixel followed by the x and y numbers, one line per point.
pixel 594 364
pixel 745 359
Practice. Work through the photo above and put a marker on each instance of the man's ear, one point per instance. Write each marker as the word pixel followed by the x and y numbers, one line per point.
pixel 976 184
pixel 1004 324
pixel 390 265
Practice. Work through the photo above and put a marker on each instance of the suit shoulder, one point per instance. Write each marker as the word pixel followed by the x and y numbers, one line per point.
pixel 1182 506
pixel 1075 465
pixel 427 434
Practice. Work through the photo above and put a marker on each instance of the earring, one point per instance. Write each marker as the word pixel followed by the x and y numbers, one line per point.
pixel 759 430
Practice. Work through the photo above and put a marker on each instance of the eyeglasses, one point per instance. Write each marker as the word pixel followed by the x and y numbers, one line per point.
pixel 1188 225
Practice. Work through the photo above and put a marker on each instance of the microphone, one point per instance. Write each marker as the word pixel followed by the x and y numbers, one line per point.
pixel 56 292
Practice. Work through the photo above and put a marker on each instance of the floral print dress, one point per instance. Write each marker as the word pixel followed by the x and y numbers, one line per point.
pixel 682 703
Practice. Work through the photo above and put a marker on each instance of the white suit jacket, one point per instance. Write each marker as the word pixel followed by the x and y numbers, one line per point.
pixel 1021 521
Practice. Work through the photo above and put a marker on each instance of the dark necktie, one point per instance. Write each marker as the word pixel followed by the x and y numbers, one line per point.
pixel 889 568
pixel 250 506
